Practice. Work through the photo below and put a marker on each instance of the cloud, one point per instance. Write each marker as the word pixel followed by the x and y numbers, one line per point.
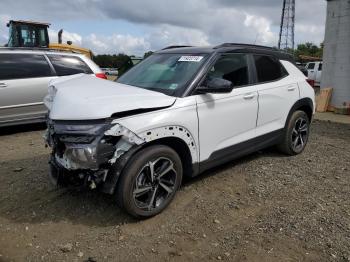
pixel 66 36
pixel 262 26
pixel 168 35
pixel 3 29
pixel 116 43
pixel 195 22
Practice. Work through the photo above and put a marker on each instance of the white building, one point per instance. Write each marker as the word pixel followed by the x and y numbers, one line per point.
pixel 336 56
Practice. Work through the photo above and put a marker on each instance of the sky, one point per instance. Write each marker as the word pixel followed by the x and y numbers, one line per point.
pixel 134 27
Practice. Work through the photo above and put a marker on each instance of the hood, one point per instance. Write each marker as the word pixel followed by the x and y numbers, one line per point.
pixel 86 97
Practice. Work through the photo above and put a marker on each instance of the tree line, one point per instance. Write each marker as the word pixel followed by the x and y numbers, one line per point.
pixel 124 62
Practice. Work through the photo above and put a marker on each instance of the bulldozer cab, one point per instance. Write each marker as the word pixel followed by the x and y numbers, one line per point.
pixel 28 34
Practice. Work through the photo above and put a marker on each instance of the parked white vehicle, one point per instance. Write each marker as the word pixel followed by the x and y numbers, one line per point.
pixel 24 77
pixel 178 113
pixel 314 72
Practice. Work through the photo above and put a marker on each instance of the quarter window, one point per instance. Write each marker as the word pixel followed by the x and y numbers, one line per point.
pixel 268 68
pixel 232 67
pixel 68 65
pixel 320 67
pixel 16 66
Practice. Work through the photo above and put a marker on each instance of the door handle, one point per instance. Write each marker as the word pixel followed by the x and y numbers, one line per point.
pixel 3 85
pixel 291 88
pixel 248 96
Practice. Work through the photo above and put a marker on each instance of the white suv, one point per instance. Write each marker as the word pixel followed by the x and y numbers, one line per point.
pixel 24 76
pixel 177 113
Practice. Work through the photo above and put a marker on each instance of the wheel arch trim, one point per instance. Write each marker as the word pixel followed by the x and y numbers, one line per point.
pixel 160 135
pixel 302 103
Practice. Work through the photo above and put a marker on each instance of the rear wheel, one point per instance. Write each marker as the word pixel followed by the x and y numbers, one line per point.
pixel 296 134
pixel 149 182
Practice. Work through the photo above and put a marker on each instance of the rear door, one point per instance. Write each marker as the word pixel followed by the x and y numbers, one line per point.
pixel 23 85
pixel 278 92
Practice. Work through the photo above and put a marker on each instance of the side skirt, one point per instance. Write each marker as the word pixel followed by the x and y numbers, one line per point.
pixel 233 152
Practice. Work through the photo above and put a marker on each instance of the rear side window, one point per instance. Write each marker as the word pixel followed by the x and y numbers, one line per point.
pixel 268 68
pixel 69 65
pixel 16 66
pixel 320 67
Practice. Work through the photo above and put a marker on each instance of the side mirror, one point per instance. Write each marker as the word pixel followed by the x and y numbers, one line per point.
pixel 215 85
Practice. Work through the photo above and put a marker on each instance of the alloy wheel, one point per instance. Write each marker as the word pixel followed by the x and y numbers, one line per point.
pixel 300 134
pixel 154 184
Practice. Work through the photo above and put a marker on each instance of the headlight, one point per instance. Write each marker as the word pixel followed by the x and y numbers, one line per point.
pixel 78 157
pixel 48 100
pixel 88 129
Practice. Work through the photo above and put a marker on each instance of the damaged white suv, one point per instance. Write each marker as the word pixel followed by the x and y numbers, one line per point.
pixel 177 113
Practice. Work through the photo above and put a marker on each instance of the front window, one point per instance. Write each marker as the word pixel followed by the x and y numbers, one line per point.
pixel 166 73
pixel 231 67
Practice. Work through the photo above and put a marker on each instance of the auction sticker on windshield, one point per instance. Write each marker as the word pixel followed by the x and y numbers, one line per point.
pixel 190 58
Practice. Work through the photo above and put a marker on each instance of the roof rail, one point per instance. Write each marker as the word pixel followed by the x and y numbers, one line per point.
pixel 175 46
pixel 244 45
pixel 46 49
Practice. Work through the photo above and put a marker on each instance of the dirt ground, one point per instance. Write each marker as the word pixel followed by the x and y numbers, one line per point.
pixel 264 207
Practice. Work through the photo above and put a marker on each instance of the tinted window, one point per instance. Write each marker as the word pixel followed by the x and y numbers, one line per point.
pixel 69 65
pixel 311 66
pixel 268 68
pixel 14 66
pixel 233 68
pixel 320 67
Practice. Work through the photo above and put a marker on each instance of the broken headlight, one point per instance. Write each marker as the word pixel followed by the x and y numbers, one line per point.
pixel 81 129
pixel 79 157
pixel 80 144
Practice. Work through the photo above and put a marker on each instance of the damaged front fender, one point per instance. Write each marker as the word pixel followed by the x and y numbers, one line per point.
pixel 128 140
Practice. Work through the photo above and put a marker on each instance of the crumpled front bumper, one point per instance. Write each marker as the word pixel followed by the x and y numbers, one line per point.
pixel 87 153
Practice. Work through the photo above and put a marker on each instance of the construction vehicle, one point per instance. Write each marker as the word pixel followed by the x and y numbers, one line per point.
pixel 31 34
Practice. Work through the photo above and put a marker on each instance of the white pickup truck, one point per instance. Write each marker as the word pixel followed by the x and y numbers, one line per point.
pixel 314 72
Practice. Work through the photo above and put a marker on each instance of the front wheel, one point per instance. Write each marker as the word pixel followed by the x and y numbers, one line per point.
pixel 296 134
pixel 149 181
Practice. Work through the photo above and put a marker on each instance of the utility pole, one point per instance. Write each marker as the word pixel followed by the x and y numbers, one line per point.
pixel 286 36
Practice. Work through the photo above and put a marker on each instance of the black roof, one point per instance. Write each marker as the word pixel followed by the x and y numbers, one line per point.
pixel 229 48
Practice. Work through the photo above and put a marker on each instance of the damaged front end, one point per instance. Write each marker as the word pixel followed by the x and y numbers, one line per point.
pixel 89 153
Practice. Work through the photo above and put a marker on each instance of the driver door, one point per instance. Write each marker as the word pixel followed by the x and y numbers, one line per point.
pixel 226 120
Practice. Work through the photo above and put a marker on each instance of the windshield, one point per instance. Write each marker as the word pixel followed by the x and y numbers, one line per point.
pixel 166 73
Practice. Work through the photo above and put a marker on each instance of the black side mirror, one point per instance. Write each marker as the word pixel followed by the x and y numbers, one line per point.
pixel 215 85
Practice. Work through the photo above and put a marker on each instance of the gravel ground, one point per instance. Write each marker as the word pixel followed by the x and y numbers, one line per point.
pixel 264 207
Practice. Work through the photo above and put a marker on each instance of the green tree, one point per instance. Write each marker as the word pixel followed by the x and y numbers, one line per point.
pixel 309 49
pixel 147 54
pixel 114 61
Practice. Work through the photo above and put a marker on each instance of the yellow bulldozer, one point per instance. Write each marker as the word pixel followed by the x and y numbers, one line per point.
pixel 29 34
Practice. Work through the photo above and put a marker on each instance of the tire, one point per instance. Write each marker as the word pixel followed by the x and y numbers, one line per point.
pixel 296 134
pixel 140 194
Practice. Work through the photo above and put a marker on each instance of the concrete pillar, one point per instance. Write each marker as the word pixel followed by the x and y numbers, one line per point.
pixel 336 56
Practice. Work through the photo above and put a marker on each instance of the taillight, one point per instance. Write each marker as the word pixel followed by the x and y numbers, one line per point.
pixel 311 82
pixel 101 75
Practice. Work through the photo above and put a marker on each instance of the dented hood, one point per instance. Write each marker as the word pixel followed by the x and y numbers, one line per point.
pixel 85 97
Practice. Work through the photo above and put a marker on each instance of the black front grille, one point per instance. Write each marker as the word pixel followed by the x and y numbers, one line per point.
pixel 77 139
